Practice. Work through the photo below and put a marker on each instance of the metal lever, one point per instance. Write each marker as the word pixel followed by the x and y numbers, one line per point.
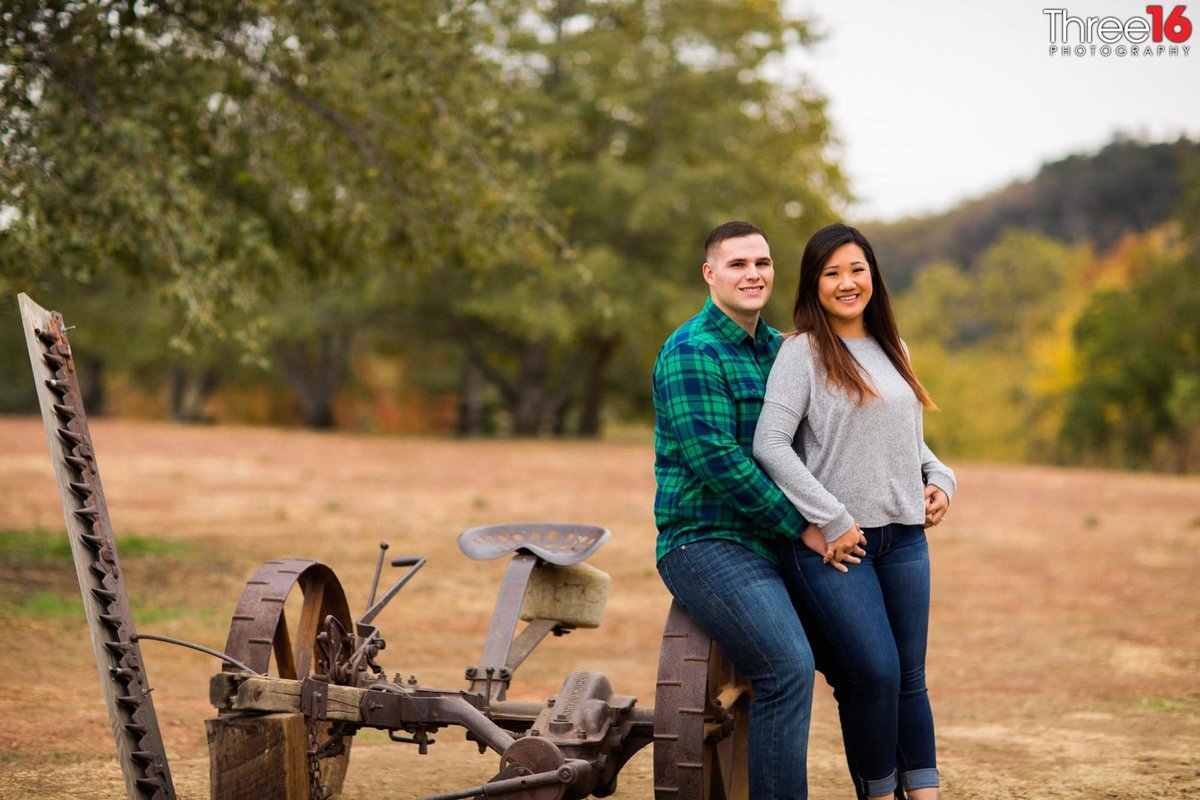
pixel 413 563
pixel 383 546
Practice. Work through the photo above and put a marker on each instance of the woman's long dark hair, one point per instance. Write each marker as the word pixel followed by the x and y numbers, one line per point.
pixel 842 370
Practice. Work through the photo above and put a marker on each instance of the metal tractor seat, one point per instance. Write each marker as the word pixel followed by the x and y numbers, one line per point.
pixel 556 543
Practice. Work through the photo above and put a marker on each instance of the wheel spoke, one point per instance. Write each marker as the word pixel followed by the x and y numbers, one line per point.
pixel 723 769
pixel 281 647
pixel 311 614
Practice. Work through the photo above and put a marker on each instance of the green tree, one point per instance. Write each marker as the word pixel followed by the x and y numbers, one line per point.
pixel 939 306
pixel 1023 281
pixel 648 123
pixel 990 333
pixel 1137 401
pixel 103 109
pixel 233 156
pixel 527 180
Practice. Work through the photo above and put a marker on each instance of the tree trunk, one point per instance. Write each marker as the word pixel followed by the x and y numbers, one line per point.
pixel 599 359
pixel 315 369
pixel 91 386
pixel 529 408
pixel 470 402
pixel 560 415
pixel 536 397
pixel 189 392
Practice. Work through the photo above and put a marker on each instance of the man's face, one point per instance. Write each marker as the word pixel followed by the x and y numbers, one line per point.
pixel 740 273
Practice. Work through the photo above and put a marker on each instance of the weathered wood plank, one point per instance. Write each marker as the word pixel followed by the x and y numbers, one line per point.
pixel 257 757
pixel 237 691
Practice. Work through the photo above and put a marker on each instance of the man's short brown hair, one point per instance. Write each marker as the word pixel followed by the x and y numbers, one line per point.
pixel 730 230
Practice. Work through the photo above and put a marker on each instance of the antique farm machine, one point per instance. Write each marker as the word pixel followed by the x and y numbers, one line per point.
pixel 296 687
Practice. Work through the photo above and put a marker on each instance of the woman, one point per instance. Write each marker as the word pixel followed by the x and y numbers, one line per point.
pixel 841 433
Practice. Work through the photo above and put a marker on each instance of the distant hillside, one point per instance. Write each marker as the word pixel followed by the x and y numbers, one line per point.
pixel 1126 186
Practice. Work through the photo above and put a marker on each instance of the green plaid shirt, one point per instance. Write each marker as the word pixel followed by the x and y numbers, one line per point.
pixel 709 380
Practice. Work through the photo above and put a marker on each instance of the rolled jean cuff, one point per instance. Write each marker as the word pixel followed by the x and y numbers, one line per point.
pixel 920 779
pixel 884 786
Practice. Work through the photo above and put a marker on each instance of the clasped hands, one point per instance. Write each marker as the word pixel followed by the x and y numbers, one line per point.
pixel 846 549
pixel 850 546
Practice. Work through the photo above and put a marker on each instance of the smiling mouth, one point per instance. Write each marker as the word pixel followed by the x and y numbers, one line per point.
pixel 848 298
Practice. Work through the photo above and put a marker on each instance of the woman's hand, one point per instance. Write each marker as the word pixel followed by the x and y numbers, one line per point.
pixel 846 549
pixel 936 505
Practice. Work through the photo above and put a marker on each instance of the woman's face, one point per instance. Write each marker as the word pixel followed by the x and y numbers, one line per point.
pixel 844 289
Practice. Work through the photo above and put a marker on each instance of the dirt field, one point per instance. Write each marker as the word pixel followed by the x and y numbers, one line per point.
pixel 1064 661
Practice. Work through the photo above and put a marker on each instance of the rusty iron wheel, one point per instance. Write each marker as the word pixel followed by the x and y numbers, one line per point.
pixel 701 717
pixel 263 638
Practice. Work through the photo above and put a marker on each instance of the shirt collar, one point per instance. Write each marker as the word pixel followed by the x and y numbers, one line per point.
pixel 729 329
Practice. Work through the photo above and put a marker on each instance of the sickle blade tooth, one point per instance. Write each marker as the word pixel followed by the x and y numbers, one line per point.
pixel 104 594
pixel 87 512
pixel 117 648
pixel 68 435
pixel 151 786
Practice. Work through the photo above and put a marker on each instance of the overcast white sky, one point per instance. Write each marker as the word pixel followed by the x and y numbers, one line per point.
pixel 939 100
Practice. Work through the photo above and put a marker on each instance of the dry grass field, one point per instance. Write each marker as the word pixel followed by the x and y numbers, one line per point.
pixel 1064 660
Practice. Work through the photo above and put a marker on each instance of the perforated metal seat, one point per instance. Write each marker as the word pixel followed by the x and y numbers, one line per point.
pixel 554 542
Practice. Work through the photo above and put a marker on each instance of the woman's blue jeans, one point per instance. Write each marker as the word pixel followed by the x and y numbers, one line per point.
pixel 741 600
pixel 875 619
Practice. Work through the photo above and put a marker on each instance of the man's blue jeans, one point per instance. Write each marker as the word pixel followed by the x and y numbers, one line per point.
pixel 741 600
pixel 875 619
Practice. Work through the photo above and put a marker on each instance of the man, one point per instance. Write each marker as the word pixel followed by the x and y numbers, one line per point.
pixel 721 520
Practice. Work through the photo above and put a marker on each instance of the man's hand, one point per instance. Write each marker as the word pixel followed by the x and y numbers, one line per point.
pixel 936 505
pixel 813 539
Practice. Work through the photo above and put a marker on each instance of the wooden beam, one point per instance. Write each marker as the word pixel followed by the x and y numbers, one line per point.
pixel 238 691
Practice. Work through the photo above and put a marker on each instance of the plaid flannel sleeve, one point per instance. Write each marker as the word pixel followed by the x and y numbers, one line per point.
pixel 700 412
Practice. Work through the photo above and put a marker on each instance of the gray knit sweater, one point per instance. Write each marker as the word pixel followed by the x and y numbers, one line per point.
pixel 838 462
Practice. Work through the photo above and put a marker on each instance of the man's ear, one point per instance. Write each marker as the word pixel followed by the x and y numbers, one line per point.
pixel 707 272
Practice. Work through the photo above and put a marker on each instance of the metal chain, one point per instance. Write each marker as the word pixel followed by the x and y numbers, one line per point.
pixel 317 790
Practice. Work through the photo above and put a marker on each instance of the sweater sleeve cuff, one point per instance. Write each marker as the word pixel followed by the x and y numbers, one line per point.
pixel 943 482
pixel 836 527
